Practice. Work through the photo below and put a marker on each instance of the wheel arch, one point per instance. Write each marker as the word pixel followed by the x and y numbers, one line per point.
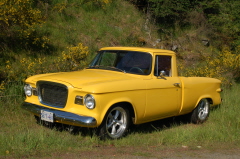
pixel 126 105
pixel 210 100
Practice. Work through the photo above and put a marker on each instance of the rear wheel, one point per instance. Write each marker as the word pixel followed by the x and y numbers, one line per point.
pixel 201 112
pixel 115 123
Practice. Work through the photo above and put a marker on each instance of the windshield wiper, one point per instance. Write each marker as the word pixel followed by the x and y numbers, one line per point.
pixel 115 68
pixel 107 67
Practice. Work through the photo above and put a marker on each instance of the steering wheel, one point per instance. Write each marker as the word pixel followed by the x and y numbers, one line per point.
pixel 136 68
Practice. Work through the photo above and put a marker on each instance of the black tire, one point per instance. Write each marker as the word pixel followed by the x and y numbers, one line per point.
pixel 201 112
pixel 115 124
pixel 38 120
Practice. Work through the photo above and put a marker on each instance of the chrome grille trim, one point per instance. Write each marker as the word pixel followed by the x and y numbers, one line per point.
pixel 52 94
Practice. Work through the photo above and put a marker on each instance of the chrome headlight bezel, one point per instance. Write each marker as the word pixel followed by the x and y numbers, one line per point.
pixel 89 101
pixel 28 90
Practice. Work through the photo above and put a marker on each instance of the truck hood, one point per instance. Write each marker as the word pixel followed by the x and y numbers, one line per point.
pixel 90 79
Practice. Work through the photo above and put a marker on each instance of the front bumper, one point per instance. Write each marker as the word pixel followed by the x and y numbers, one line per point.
pixel 61 116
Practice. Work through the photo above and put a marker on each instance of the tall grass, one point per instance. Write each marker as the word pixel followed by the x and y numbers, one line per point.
pixel 21 136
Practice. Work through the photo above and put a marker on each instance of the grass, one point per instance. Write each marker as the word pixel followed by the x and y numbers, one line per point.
pixel 94 27
pixel 22 137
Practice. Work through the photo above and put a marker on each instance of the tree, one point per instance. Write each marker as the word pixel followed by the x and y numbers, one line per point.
pixel 224 16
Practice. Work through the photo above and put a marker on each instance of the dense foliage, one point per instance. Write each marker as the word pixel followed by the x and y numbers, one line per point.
pixel 223 16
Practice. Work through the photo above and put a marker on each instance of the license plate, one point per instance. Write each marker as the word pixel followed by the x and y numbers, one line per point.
pixel 47 116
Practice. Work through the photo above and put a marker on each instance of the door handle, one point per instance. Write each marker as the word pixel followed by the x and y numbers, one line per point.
pixel 177 84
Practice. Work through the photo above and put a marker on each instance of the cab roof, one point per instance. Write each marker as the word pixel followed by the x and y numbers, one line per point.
pixel 141 49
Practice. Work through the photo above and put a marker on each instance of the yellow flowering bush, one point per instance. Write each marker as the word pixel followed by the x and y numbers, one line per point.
pixel 2 87
pixel 19 13
pixel 72 59
pixel 18 22
pixel 104 1
pixel 59 7
pixel 225 66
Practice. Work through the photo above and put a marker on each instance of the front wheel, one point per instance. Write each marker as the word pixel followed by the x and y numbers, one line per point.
pixel 201 112
pixel 115 123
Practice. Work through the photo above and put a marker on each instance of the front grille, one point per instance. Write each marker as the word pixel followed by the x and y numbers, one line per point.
pixel 52 94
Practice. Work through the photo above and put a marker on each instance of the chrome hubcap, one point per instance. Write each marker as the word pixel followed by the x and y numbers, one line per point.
pixel 116 122
pixel 203 109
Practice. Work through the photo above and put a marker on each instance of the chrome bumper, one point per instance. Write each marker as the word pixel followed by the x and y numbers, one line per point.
pixel 61 116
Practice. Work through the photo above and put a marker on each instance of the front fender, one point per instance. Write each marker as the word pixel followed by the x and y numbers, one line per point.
pixel 136 99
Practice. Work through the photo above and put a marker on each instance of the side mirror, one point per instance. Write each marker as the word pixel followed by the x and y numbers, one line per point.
pixel 162 74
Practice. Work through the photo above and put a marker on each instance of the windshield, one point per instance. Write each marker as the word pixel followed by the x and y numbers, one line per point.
pixel 125 61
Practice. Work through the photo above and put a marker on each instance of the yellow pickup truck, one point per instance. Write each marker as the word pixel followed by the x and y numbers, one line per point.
pixel 120 87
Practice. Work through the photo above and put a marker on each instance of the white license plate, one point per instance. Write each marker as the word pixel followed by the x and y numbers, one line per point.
pixel 47 116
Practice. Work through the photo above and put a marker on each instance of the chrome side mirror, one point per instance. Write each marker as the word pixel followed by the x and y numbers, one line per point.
pixel 162 74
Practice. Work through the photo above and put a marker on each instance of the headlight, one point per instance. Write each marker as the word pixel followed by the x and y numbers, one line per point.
pixel 89 101
pixel 28 90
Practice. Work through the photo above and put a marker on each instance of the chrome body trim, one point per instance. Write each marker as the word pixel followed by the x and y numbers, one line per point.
pixel 61 116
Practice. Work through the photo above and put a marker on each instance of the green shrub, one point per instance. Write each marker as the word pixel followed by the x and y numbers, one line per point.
pixel 70 60
pixel 224 66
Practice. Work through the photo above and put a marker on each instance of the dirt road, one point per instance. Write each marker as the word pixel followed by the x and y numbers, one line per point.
pixel 182 152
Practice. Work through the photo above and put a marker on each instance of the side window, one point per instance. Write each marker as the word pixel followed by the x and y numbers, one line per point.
pixel 163 63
